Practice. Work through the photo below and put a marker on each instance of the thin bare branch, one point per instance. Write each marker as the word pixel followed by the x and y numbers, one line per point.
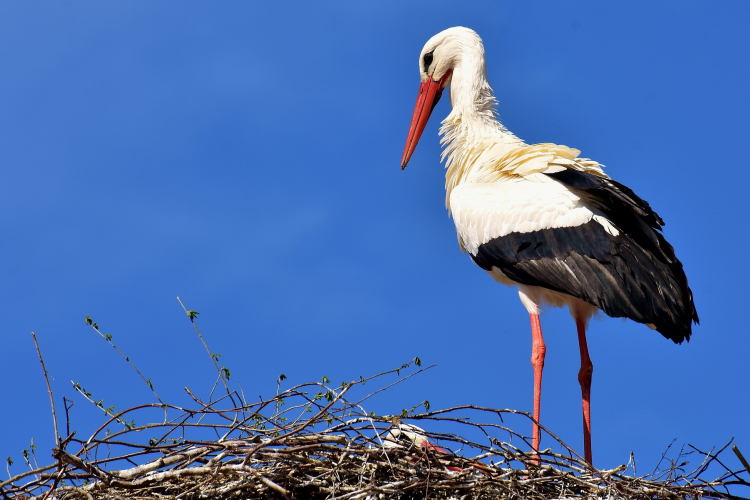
pixel 192 314
pixel 108 338
pixel 49 388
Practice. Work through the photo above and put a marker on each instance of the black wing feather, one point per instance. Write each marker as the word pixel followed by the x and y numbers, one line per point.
pixel 634 274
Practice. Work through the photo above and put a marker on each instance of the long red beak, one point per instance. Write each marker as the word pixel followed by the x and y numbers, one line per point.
pixel 429 95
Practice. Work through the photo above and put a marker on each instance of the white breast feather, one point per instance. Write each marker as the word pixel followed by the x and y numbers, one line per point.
pixel 483 211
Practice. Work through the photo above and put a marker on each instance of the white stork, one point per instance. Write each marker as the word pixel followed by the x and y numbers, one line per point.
pixel 543 219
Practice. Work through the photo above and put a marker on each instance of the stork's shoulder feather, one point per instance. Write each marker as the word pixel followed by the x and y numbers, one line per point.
pixel 491 161
pixel 543 158
pixel 509 190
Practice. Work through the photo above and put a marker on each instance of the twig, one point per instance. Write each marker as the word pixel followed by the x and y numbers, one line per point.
pixel 742 458
pixel 18 477
pixel 299 429
pixel 67 409
pixel 107 411
pixel 210 354
pixel 32 448
pixel 394 383
pixel 270 483
pixel 49 388
pixel 108 338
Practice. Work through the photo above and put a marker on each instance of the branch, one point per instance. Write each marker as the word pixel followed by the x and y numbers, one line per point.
pixel 49 388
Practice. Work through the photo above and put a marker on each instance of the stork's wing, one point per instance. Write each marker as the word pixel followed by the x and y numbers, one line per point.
pixel 619 204
pixel 582 235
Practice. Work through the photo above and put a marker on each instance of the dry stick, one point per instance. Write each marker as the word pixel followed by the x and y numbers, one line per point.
pixel 62 469
pixel 67 416
pixel 25 474
pixel 394 383
pixel 273 441
pixel 242 395
pixel 49 389
pixel 148 382
pixel 715 457
pixel 33 453
pixel 80 491
pixel 100 406
pixel 270 483
pixel 118 417
pixel 514 412
pixel 742 459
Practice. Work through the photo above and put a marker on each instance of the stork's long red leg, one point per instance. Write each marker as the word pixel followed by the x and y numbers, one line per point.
pixel 538 351
pixel 584 378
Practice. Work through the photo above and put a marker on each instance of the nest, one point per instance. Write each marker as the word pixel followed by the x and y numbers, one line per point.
pixel 316 441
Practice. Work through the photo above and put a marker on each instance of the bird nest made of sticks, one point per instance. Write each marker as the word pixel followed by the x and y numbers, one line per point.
pixel 314 441
pixel 317 441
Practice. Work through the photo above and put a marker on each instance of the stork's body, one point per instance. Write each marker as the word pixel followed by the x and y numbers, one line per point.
pixel 543 219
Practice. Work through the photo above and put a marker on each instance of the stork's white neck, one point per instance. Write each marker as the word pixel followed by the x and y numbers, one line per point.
pixel 472 135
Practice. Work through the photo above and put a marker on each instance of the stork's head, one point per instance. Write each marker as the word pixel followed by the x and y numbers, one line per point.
pixel 440 56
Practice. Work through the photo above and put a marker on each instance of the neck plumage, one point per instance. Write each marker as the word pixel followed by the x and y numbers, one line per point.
pixel 472 134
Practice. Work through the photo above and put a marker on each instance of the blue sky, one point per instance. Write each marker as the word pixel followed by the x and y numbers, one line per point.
pixel 246 158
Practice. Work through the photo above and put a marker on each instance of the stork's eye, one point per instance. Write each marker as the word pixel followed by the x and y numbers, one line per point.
pixel 427 60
